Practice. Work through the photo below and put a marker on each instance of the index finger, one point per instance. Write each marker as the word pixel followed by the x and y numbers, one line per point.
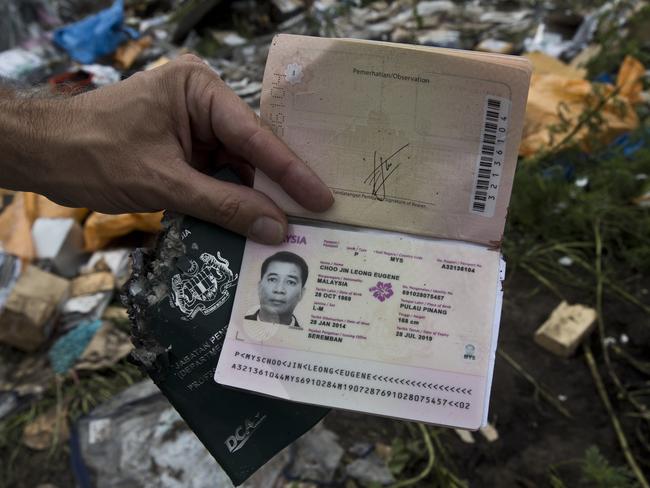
pixel 235 125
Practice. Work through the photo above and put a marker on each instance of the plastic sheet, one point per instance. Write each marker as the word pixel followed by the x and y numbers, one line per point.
pixel 559 95
pixel 100 229
pixel 96 35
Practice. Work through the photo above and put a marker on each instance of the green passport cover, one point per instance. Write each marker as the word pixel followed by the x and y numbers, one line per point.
pixel 179 299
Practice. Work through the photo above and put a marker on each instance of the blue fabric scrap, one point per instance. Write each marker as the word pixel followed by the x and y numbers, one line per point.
pixel 95 36
pixel 69 347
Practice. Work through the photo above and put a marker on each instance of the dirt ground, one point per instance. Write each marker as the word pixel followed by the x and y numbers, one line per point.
pixel 533 435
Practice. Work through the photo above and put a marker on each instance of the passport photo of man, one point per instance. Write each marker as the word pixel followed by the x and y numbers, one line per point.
pixel 282 284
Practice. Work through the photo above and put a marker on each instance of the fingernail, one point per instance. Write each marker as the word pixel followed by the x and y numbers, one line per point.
pixel 266 230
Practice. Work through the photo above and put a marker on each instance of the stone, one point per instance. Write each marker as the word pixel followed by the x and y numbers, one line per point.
pixel 30 310
pixel 566 328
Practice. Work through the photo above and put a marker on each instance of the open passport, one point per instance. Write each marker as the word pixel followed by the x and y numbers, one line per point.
pixel 388 303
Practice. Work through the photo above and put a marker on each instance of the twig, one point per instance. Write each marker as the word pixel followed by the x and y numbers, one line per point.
pixel 625 295
pixel 640 366
pixel 542 390
pixel 601 322
pixel 631 461
pixel 542 280
pixel 628 296
pixel 431 459
pixel 445 471
pixel 642 440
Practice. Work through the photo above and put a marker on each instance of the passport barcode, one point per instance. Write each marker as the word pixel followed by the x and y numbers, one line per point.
pixel 493 133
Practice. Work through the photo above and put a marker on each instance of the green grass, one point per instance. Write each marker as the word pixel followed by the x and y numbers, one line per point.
pixel 81 395
pixel 595 471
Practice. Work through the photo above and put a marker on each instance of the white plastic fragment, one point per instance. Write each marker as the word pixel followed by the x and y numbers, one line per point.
pixel 465 435
pixel 490 433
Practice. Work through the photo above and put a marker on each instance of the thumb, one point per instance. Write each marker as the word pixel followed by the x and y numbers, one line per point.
pixel 235 207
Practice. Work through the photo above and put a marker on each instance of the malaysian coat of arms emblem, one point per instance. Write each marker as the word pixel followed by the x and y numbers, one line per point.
pixel 202 288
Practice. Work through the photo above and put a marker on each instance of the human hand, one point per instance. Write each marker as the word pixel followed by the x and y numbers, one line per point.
pixel 146 143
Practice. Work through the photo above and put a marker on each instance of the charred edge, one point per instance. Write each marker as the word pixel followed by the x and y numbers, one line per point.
pixel 147 286
pixel 495 245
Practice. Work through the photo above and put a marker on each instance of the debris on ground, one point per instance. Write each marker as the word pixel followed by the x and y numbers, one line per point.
pixel 62 326
pixel 107 347
pixel 10 268
pixel 90 283
pixel 318 456
pixel 30 377
pixel 95 36
pixel 566 328
pixel 116 313
pixel 28 315
pixel 59 242
pixel 555 84
pixel 126 54
pixel 465 435
pixel 100 229
pixel 69 347
pixel 116 261
pixel 370 470
pixel 47 429
pixel 137 439
pixel 490 433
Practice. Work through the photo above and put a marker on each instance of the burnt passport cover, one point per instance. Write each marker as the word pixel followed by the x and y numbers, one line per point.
pixel 179 298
